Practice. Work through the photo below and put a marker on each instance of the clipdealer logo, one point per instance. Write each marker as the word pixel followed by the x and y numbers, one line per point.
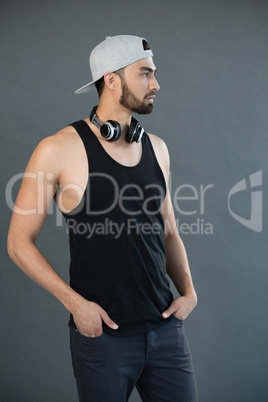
pixel 188 200
pixel 255 220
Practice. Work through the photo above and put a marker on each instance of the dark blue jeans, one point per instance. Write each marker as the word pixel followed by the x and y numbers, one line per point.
pixel 158 363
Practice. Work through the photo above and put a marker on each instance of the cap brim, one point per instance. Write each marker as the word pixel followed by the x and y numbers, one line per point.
pixel 86 88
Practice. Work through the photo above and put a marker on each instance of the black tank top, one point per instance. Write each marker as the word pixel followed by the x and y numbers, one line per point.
pixel 117 238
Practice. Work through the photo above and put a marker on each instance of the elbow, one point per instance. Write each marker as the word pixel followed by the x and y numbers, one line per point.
pixel 193 297
pixel 11 247
pixel 172 234
pixel 15 247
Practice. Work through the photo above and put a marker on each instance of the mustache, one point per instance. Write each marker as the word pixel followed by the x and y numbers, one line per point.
pixel 147 96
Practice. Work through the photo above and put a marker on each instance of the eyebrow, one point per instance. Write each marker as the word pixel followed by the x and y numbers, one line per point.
pixel 148 69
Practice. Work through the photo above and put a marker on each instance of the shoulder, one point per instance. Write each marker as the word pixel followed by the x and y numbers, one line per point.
pixel 53 151
pixel 161 151
pixel 59 142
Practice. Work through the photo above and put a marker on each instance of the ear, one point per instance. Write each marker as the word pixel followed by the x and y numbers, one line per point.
pixel 111 80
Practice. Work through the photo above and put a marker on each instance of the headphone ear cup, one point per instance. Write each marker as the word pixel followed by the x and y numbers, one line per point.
pixel 105 130
pixel 135 131
pixel 110 130
pixel 115 130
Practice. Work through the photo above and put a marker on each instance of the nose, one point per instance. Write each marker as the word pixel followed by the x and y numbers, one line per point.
pixel 154 84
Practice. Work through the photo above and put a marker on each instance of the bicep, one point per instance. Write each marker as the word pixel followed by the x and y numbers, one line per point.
pixel 168 215
pixel 167 209
pixel 35 194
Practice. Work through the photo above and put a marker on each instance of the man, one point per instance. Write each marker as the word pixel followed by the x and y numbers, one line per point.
pixel 110 180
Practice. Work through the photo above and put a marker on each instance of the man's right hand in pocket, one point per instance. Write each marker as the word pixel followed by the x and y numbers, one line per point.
pixel 88 318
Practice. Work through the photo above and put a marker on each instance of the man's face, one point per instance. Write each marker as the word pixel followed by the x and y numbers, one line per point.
pixel 138 86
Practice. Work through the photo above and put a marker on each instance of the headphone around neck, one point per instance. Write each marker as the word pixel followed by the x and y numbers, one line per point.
pixel 111 129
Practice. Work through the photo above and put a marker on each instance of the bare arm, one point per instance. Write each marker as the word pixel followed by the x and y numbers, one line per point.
pixel 177 265
pixel 35 196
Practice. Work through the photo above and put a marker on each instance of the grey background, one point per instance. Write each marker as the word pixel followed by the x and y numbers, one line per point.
pixel 211 111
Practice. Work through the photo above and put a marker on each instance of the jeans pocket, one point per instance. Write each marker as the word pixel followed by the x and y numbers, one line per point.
pixel 89 339
pixel 178 319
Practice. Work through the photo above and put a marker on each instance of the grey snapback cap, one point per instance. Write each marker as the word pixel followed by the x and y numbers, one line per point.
pixel 113 53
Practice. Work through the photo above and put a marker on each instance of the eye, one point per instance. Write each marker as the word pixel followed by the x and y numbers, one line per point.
pixel 145 74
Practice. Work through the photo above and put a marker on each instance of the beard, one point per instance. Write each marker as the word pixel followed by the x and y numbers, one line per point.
pixel 132 103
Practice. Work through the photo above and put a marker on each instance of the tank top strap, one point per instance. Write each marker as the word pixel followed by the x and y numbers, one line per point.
pixel 88 138
pixel 149 150
pixel 84 132
pixel 145 141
